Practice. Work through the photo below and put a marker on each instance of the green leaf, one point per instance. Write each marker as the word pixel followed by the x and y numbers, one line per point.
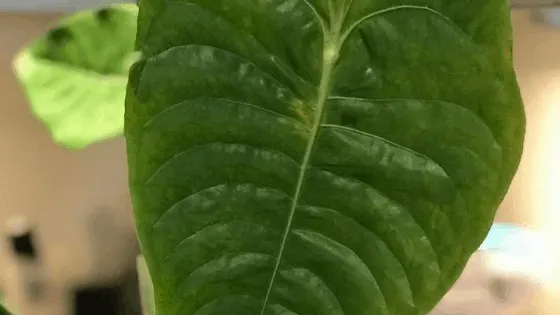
pixel 75 74
pixel 3 310
pixel 322 157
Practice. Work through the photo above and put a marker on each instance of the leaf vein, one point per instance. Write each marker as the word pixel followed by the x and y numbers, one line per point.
pixel 475 113
pixel 238 56
pixel 330 55
pixel 186 150
pixel 241 103
pixel 376 235
pixel 175 206
pixel 416 222
pixel 283 67
pixel 353 26
pixel 175 250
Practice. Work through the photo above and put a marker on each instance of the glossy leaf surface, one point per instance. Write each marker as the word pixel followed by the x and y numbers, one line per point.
pixel 75 75
pixel 325 157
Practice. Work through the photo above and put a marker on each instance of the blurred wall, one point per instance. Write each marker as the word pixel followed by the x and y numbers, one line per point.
pixel 61 189
pixel 534 197
pixel 77 200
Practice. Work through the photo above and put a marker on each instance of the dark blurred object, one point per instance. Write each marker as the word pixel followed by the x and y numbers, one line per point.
pixel 22 245
pixel 117 299
pixel 98 300
pixel 131 298
pixel 22 239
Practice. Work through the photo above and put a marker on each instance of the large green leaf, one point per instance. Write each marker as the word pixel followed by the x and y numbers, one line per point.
pixel 320 157
pixel 3 311
pixel 75 74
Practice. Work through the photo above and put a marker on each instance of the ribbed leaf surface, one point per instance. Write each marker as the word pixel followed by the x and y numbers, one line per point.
pixel 318 157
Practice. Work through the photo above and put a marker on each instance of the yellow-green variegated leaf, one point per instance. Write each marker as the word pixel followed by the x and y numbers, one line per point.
pixel 75 74
pixel 318 157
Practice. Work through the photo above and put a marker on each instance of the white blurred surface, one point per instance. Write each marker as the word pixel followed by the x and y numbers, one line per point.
pixel 503 280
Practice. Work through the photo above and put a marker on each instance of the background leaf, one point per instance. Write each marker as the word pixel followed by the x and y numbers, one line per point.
pixel 318 156
pixel 75 75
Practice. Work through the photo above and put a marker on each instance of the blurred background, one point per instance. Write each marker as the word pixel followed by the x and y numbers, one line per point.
pixel 78 203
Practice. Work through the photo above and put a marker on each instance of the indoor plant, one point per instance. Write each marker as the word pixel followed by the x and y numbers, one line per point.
pixel 318 157
pixel 326 157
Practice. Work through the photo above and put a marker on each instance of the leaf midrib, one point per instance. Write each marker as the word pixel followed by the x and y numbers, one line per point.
pixel 333 41
pixel 330 56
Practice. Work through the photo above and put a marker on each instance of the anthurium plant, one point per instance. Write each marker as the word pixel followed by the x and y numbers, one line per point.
pixel 318 156
pixel 326 157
